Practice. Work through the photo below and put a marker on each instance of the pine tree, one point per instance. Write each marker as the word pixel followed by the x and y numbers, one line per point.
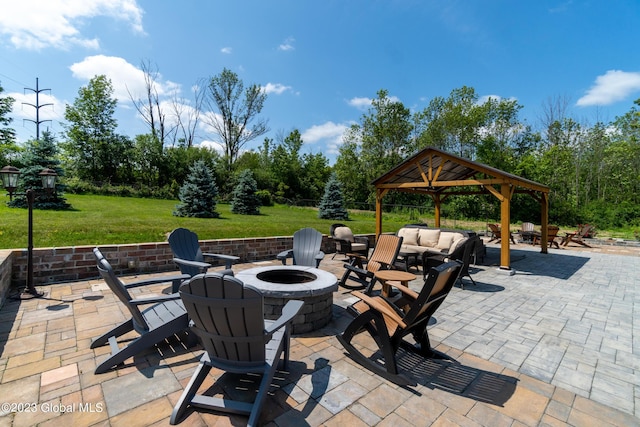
pixel 332 203
pixel 199 193
pixel 245 199
pixel 38 155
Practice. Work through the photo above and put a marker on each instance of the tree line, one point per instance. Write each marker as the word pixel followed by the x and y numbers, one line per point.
pixel 593 170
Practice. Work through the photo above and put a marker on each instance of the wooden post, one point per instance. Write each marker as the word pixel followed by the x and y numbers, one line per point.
pixel 544 226
pixel 437 201
pixel 379 195
pixel 505 217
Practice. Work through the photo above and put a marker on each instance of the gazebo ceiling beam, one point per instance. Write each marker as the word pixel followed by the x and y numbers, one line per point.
pixel 444 184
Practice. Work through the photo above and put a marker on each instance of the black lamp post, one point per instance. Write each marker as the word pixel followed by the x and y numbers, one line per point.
pixel 9 176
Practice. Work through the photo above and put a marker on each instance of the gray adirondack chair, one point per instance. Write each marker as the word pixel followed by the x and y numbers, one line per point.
pixel 190 258
pixel 228 318
pixel 306 248
pixel 164 316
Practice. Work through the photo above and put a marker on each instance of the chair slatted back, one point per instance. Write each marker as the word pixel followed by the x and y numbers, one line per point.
pixel 584 230
pixel 184 244
pixel 306 245
pixel 495 229
pixel 527 226
pixel 436 287
pixel 385 252
pixel 118 288
pixel 228 318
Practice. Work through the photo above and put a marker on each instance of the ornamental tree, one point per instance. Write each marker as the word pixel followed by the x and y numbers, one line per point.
pixel 198 194
pixel 245 199
pixel 332 203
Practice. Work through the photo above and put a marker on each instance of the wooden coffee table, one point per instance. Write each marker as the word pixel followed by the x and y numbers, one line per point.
pixel 385 276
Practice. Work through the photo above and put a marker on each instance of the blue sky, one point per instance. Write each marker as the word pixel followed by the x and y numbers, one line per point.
pixel 321 62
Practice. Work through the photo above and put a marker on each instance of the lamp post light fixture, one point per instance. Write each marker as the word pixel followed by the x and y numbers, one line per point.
pixel 10 179
pixel 9 176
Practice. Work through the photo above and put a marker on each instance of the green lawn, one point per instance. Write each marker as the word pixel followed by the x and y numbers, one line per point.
pixel 118 220
pixel 101 220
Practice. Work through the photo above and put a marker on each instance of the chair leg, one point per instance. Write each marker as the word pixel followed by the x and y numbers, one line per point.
pixel 115 332
pixel 191 389
pixel 375 326
pixel 267 377
pixel 143 342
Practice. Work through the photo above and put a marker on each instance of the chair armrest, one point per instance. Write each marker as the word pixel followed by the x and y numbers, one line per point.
pixel 201 265
pixel 406 291
pixel 440 257
pixel 345 245
pixel 354 256
pixel 381 306
pixel 358 271
pixel 362 239
pixel 319 257
pixel 156 280
pixel 155 299
pixel 228 259
pixel 282 256
pixel 387 266
pixel 289 311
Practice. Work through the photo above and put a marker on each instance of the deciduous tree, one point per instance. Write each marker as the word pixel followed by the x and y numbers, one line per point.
pixel 7 134
pixel 236 120
pixel 93 148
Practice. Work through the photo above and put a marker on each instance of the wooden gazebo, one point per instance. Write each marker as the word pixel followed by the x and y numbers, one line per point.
pixel 440 175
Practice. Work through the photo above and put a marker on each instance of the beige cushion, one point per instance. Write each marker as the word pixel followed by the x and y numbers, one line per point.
pixel 358 247
pixel 409 236
pixel 428 237
pixel 344 233
pixel 456 242
pixel 445 240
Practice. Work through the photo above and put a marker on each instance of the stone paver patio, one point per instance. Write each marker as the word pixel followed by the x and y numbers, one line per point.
pixel 555 344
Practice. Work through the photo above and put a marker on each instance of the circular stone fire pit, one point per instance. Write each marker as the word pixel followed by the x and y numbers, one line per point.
pixel 282 283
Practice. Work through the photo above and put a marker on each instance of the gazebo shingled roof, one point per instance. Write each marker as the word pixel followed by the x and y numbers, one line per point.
pixel 440 174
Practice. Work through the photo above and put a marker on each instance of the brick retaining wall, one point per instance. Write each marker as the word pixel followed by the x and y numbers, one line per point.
pixel 6 258
pixel 54 265
pixel 73 263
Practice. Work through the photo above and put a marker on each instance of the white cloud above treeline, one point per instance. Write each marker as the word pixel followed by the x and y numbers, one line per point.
pixel 611 87
pixel 37 24
pixel 125 77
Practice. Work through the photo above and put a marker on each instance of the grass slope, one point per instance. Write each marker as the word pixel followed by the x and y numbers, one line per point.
pixel 102 220
pixel 118 220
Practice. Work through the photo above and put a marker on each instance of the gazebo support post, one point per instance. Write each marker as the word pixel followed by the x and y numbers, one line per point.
pixel 437 201
pixel 379 195
pixel 544 220
pixel 505 216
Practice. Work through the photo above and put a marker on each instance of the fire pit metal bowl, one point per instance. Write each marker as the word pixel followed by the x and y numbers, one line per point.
pixel 282 283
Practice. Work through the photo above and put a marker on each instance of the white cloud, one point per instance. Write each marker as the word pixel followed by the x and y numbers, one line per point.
pixel 36 24
pixel 125 77
pixel 485 98
pixel 364 102
pixel 613 86
pixel 226 50
pixel 329 132
pixel 360 103
pixel 276 88
pixel 213 146
pixel 287 44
